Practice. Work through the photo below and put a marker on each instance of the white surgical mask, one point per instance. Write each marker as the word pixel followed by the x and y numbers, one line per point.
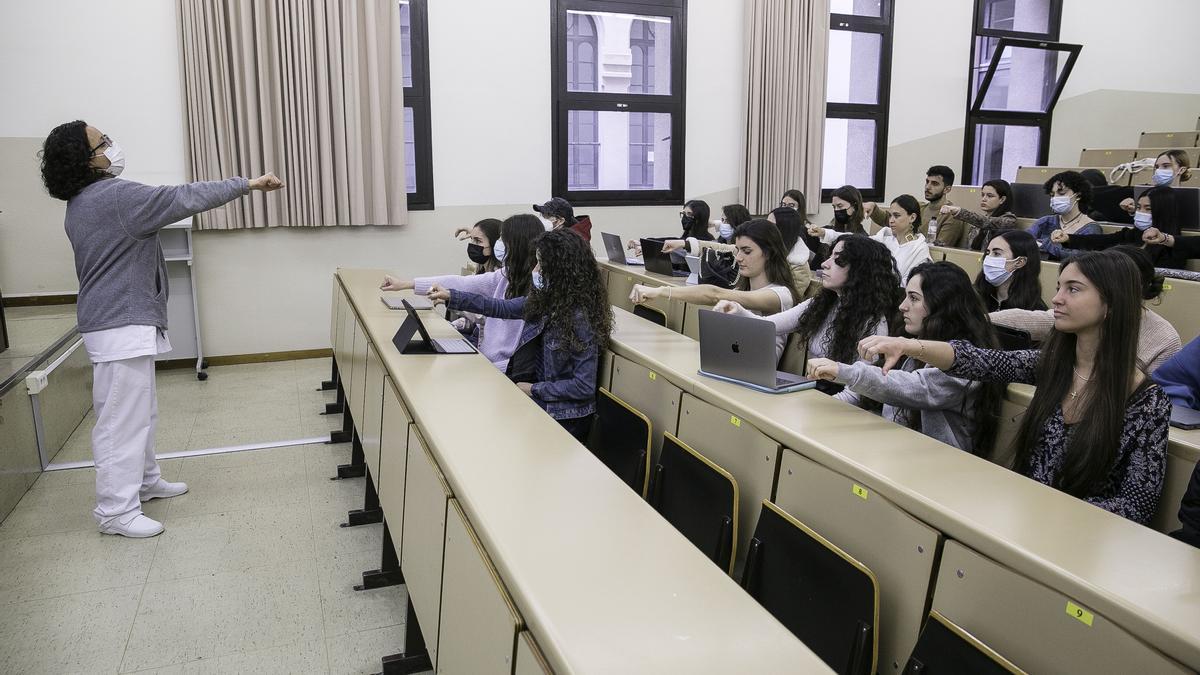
pixel 725 230
pixel 1164 176
pixel 116 158
pixel 546 223
pixel 1060 204
pixel 538 282
pixel 499 251
pixel 995 270
pixel 1143 220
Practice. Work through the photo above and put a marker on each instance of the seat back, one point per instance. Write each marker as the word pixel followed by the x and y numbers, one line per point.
pixel 621 439
pixel 825 597
pixel 947 649
pixel 1167 139
pixel 698 497
pixel 650 314
pixel 1013 339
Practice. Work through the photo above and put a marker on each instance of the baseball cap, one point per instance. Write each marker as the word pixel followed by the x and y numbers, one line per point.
pixel 559 208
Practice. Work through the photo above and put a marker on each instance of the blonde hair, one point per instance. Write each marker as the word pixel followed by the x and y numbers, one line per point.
pixel 1181 158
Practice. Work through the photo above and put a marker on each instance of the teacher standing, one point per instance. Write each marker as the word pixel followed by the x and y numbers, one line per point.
pixel 113 226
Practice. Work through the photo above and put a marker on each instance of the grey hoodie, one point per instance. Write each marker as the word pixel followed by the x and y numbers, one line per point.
pixel 947 404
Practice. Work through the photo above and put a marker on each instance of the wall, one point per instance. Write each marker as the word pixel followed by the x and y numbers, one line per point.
pixel 269 290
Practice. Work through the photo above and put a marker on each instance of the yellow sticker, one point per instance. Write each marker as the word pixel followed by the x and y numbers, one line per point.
pixel 1166 287
pixel 733 419
pixel 653 375
pixel 1080 613
pixel 860 491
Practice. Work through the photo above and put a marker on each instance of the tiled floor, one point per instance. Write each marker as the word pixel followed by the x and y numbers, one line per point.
pixel 253 572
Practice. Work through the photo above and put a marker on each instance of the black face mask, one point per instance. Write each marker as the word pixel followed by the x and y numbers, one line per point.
pixel 841 216
pixel 687 221
pixel 476 254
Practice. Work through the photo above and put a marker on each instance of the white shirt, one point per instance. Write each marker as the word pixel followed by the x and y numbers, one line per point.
pixel 125 342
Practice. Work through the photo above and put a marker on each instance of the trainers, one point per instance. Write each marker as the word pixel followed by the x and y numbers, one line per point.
pixel 163 490
pixel 135 525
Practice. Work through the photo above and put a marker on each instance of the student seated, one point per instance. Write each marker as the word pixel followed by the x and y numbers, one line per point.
pixel 1156 208
pixel 558 214
pixel 995 200
pixel 567 323
pixel 1157 339
pixel 938 228
pixel 1184 248
pixel 694 220
pixel 481 240
pixel 794 200
pixel 1070 199
pixel 907 245
pixel 795 241
pixel 732 215
pixel 1010 278
pixel 848 211
pixel 858 297
pixel 765 282
pixel 515 251
pixel 938 305
pixel 1171 167
pixel 1087 371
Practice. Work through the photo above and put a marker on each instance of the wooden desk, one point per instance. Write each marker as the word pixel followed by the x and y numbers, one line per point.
pixel 1145 583
pixel 620 278
pixel 599 580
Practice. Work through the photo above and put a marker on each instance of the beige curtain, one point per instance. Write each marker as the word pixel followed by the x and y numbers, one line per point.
pixel 309 89
pixel 785 100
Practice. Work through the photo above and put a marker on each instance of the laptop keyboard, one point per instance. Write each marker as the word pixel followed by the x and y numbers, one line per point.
pixel 454 346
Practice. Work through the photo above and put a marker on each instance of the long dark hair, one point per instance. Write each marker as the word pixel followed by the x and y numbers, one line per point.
pixel 767 237
pixel 1004 191
pixel 1152 281
pixel 801 203
pixel 573 290
pixel 518 233
pixel 871 295
pixel 1164 208
pixel 956 313
pixel 1025 291
pixel 790 225
pixel 912 207
pixel 700 217
pixel 490 227
pixel 735 214
pixel 849 193
pixel 66 161
pixel 1093 446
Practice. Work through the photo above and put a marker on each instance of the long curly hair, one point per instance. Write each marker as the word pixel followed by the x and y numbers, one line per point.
pixel 66 161
pixel 572 291
pixel 871 295
pixel 957 313
pixel 518 233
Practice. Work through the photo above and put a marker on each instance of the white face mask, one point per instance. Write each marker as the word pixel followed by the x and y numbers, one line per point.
pixel 1060 204
pixel 725 230
pixel 1164 176
pixel 546 223
pixel 537 280
pixel 499 250
pixel 995 270
pixel 116 159
pixel 1143 220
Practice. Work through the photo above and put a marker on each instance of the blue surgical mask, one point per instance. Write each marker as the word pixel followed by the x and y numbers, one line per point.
pixel 499 250
pixel 995 270
pixel 1060 204
pixel 1142 220
pixel 1164 176
pixel 725 230
pixel 538 282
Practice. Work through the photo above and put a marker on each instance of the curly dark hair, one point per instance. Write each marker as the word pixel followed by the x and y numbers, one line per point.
pixel 66 161
pixel 1074 182
pixel 871 295
pixel 572 291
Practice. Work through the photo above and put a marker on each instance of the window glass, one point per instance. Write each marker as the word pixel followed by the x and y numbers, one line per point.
pixel 849 157
pixel 853 66
pixel 1002 149
pixel 612 150
pixel 647 40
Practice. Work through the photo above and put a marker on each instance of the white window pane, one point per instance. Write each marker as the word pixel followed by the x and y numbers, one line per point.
pixel 852 67
pixel 618 150
pixel 856 8
pixel 410 151
pixel 637 49
pixel 406 42
pixel 849 157
pixel 1025 79
pixel 1001 149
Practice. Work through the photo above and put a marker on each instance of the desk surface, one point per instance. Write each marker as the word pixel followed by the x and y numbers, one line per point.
pixel 603 582
pixel 640 273
pixel 1139 578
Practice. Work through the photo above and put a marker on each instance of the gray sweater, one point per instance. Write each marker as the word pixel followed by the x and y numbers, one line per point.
pixel 946 404
pixel 113 226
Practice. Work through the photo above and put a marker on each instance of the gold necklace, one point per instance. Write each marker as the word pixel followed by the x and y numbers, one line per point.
pixel 1075 393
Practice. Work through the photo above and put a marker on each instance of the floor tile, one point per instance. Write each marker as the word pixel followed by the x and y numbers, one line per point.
pixel 355 653
pixel 219 490
pixel 225 613
pixel 63 509
pixel 52 565
pixel 82 633
pixel 307 657
pixel 347 610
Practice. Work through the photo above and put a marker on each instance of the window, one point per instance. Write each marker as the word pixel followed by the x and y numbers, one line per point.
pixel 858 76
pixel 618 101
pixel 418 139
pixel 1017 74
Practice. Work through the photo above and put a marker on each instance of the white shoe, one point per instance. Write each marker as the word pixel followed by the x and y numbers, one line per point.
pixel 136 525
pixel 163 490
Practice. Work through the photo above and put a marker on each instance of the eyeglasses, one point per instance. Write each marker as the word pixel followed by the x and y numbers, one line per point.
pixel 105 142
pixel 789 205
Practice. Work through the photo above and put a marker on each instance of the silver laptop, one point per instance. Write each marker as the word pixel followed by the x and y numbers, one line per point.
pixel 741 349
pixel 616 252
pixel 416 301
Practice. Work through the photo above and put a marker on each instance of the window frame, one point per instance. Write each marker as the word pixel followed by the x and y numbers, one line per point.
pixel 417 98
pixel 563 101
pixel 879 111
pixel 977 115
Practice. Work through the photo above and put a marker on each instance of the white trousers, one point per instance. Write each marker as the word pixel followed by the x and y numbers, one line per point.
pixel 126 404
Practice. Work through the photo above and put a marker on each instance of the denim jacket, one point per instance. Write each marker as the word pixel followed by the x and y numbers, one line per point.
pixel 566 380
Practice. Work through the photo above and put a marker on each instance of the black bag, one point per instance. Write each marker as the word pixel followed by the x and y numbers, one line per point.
pixel 717 268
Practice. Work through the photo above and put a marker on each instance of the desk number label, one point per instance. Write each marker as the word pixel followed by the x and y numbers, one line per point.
pixel 733 419
pixel 653 375
pixel 1079 613
pixel 860 491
